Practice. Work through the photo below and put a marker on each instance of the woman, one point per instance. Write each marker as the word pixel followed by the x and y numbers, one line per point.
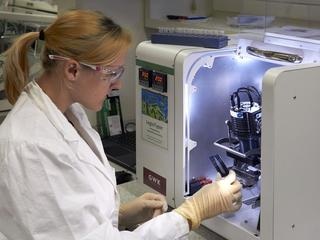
pixel 55 180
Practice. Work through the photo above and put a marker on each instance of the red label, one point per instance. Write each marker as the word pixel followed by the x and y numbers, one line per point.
pixel 155 181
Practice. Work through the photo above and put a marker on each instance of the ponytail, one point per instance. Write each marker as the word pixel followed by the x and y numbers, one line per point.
pixel 16 66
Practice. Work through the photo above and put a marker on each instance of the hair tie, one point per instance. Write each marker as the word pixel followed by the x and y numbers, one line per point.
pixel 41 35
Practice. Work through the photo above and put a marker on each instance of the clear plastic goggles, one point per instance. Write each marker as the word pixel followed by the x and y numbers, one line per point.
pixel 112 74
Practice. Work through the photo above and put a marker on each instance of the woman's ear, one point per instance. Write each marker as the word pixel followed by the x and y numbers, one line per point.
pixel 71 69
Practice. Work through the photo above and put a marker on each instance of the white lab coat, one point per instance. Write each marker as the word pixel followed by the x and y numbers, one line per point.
pixel 56 182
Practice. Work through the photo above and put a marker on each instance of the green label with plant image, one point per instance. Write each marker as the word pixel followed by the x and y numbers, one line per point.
pixel 154 117
pixel 155 105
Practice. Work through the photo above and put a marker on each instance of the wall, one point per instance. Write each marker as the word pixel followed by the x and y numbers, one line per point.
pixel 129 14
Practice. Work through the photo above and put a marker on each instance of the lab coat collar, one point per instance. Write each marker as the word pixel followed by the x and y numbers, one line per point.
pixel 79 120
pixel 69 132
pixel 54 115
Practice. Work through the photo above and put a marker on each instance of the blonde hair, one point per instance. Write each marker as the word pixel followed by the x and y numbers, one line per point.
pixel 83 35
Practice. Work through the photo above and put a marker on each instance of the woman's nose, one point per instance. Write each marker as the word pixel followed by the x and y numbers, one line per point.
pixel 116 85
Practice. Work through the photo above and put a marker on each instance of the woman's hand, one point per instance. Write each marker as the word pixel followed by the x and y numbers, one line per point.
pixel 142 209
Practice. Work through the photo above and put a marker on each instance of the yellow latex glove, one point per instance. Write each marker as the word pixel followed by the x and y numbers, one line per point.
pixel 142 209
pixel 224 195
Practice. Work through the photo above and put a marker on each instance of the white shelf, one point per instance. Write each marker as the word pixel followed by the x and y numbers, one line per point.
pixel 25 17
pixel 303 13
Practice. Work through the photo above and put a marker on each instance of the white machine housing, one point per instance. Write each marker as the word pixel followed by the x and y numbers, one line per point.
pixel 173 150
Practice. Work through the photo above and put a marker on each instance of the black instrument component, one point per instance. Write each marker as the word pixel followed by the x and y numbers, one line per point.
pixel 244 126
pixel 219 165
pixel 245 119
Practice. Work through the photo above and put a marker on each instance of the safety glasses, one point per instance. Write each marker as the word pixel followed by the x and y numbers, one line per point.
pixel 111 74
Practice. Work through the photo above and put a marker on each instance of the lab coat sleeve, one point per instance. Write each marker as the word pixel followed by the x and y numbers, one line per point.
pixel 50 198
pixel 169 225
